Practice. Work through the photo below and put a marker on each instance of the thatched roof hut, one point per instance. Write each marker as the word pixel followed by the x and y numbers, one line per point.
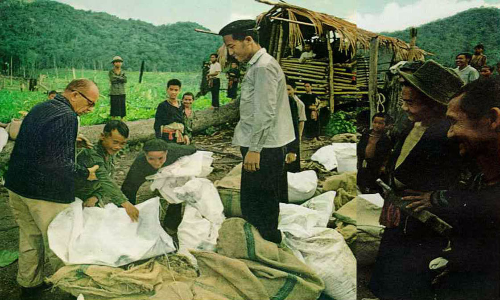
pixel 352 37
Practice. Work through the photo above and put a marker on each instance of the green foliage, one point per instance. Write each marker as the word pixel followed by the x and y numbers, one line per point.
pixel 142 98
pixel 8 257
pixel 460 33
pixel 38 34
pixel 340 122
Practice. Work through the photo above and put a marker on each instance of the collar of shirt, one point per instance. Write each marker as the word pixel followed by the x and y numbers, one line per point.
pixel 63 99
pixel 256 56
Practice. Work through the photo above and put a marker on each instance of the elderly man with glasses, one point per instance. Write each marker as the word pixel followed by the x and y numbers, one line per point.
pixel 42 172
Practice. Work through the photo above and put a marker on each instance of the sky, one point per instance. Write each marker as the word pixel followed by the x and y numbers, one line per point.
pixel 373 15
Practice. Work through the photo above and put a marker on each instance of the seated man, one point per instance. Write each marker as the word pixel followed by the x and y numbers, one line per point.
pixel 157 154
pixel 307 54
pixel 105 189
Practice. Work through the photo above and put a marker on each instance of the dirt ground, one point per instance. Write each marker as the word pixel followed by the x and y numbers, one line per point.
pixel 225 156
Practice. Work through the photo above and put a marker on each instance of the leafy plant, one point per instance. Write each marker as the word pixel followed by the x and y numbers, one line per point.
pixel 340 122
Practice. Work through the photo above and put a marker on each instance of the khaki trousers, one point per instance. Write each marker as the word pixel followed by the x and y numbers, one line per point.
pixel 33 217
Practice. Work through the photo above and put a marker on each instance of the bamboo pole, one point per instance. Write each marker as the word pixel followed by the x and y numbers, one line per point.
pixel 10 70
pixel 304 74
pixel 205 31
pixel 302 71
pixel 350 93
pixel 297 60
pixel 373 80
pixel 280 44
pixel 311 80
pixel 74 73
pixel 332 74
pixel 292 21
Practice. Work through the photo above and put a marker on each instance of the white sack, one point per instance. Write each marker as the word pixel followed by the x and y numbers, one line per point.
pixel 301 186
pixel 346 157
pixel 324 205
pixel 107 236
pixel 180 172
pixel 4 138
pixel 326 156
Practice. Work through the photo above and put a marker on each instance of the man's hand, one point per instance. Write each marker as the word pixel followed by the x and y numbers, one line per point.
pixel 83 142
pixel 92 171
pixel 90 202
pixel 290 158
pixel 186 140
pixel 252 161
pixel 131 210
pixel 421 201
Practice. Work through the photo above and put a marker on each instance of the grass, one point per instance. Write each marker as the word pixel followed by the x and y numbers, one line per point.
pixel 142 98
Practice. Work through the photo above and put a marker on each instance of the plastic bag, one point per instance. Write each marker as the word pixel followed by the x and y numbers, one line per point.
pixel 301 186
pixel 107 236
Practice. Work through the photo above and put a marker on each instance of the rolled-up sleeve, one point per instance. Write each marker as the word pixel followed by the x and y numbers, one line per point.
pixel 265 101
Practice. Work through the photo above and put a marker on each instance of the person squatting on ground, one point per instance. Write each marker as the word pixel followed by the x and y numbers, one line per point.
pixel 423 160
pixel 373 151
pixel 117 80
pixel 169 118
pixel 42 172
pixel 156 154
pixel 105 190
pixel 265 127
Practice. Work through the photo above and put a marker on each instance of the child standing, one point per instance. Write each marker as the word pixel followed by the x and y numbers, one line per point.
pixel 169 118
pixel 187 103
pixel 234 77
pixel 373 151
pixel 117 79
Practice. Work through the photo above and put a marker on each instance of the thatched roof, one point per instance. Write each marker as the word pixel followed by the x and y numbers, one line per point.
pixel 351 37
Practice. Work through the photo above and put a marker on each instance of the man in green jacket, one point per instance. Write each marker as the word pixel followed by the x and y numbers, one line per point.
pixel 105 189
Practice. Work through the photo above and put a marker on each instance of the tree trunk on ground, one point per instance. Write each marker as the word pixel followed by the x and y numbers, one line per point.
pixel 142 130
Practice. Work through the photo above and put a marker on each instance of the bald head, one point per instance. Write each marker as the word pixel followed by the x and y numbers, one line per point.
pixel 82 95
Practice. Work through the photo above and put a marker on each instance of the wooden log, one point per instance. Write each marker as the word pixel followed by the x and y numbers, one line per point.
pixel 303 65
pixel 271 40
pixel 332 72
pixel 350 93
pixel 142 130
pixel 291 59
pixel 302 70
pixel 311 80
pixel 372 83
pixel 304 74
pixel 280 43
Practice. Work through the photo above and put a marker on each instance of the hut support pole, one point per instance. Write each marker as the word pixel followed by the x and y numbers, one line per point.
pixel 280 44
pixel 330 65
pixel 372 82
pixel 271 40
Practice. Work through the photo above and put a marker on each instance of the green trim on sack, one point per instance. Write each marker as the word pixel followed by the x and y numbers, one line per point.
pixel 250 241
pixel 286 289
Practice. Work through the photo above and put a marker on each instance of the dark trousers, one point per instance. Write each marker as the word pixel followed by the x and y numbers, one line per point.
pixel 215 92
pixel 173 217
pixel 261 192
pixel 312 128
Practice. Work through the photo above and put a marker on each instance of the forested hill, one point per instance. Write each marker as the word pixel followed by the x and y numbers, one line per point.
pixel 39 33
pixel 459 33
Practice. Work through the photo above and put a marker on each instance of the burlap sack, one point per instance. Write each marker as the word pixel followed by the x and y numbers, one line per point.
pixel 249 267
pixel 231 201
pixel 137 282
pixel 345 186
pixel 13 128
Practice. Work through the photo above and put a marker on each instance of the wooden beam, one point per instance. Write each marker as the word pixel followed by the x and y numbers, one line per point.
pixel 372 83
pixel 205 31
pixel 280 43
pixel 292 21
pixel 332 74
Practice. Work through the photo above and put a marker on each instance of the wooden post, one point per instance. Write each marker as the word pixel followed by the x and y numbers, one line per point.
pixel 280 44
pixel 330 64
pixel 372 82
pixel 11 70
pixel 55 67
pixel 74 73
pixel 141 72
pixel 271 39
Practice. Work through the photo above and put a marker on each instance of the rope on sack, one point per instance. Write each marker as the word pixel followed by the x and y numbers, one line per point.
pixel 380 102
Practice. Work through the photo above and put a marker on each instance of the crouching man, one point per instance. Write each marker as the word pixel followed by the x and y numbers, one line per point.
pixel 157 154
pixel 105 189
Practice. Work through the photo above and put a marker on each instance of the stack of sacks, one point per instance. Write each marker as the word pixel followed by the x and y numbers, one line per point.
pixel 301 187
pixel 345 186
pixel 203 214
pixel 365 210
pixel 321 248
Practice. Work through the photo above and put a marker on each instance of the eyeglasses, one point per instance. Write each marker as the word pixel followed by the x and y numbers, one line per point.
pixel 90 102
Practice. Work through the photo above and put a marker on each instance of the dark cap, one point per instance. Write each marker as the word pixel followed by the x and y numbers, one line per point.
pixel 155 145
pixel 238 26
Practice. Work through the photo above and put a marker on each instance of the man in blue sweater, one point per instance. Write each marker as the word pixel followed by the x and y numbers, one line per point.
pixel 42 172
